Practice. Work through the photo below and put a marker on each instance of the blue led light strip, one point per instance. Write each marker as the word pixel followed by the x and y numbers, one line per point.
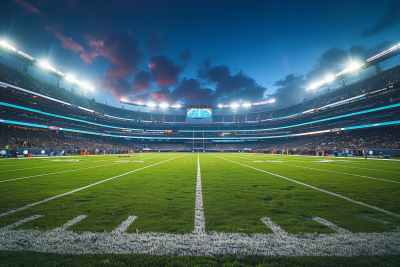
pixel 63 117
pixel 190 138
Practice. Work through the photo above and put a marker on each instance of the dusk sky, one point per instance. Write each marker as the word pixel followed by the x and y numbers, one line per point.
pixel 199 52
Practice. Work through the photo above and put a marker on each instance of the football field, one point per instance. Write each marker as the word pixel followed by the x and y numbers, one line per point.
pixel 203 204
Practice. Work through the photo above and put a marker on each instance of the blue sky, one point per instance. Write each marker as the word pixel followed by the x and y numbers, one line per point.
pixel 199 52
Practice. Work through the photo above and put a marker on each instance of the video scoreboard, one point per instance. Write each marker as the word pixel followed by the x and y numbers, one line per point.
pixel 204 111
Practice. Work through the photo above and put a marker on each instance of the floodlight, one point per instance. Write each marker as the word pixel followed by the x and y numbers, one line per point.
pixel 163 105
pixel 45 65
pixel 234 105
pixel 2 43
pixel 245 105
pixel 70 78
pixel 178 106
pixel 220 105
pixel 272 101
pixel 329 78
pixel 151 105
pixel 354 66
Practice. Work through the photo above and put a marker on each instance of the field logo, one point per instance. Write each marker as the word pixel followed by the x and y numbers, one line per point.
pixel 3 152
pixel 42 151
pixel 25 152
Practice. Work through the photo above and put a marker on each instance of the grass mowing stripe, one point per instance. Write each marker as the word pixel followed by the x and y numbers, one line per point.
pixel 39 175
pixel 199 221
pixel 345 173
pixel 319 189
pixel 76 190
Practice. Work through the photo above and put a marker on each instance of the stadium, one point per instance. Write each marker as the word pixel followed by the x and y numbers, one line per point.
pixel 86 183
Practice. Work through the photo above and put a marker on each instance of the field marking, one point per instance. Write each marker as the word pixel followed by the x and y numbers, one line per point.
pixel 71 222
pixel 79 189
pixel 45 174
pixel 316 188
pixel 274 227
pixel 199 220
pixel 210 244
pixel 124 225
pixel 331 225
pixel 344 173
pixel 16 224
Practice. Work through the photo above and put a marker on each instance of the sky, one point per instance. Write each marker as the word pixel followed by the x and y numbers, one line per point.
pixel 199 52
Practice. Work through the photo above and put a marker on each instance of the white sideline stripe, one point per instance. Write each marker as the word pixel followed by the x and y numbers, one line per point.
pixel 273 226
pixel 331 225
pixel 14 179
pixel 76 190
pixel 13 170
pixel 71 222
pixel 199 220
pixel 316 188
pixel 344 173
pixel 124 226
pixel 16 224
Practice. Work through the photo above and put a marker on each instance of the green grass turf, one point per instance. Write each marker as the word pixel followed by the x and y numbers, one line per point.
pixel 373 192
pixel 14 259
pixel 235 198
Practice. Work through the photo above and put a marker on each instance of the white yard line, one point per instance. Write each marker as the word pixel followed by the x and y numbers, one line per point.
pixel 124 226
pixel 344 173
pixel 45 174
pixel 331 225
pixel 76 190
pixel 199 221
pixel 274 227
pixel 316 188
pixel 70 223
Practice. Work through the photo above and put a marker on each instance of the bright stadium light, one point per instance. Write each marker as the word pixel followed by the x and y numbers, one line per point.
pixel 164 105
pixel 272 101
pixel 70 78
pixel 245 105
pixel 220 105
pixel 329 78
pixel 4 44
pixel 354 66
pixel 151 105
pixel 45 65
pixel 234 105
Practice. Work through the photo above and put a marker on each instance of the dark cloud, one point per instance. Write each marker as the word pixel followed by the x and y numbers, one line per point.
pixel 141 82
pixel 390 18
pixel 67 42
pixel 117 86
pixel 185 56
pixel 123 51
pixel 290 89
pixel 238 87
pixel 156 43
pixel 164 70
pixel 28 7
pixel 88 54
